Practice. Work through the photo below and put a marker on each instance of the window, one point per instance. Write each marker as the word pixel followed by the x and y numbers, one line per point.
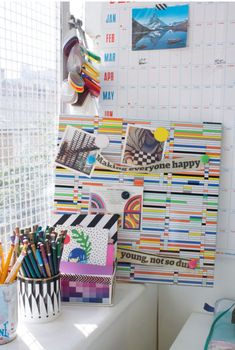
pixel 77 8
pixel 29 78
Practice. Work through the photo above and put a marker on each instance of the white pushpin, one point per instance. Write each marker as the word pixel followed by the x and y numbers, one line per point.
pixel 102 141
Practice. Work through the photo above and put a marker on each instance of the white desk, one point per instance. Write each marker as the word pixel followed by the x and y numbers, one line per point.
pixel 129 325
pixel 194 332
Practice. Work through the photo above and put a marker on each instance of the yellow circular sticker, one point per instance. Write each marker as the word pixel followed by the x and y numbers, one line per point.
pixel 161 134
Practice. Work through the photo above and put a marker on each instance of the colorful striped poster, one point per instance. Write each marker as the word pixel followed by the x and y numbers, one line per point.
pixel 179 209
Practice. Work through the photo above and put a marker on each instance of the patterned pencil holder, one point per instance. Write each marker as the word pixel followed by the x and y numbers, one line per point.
pixel 39 299
pixel 8 312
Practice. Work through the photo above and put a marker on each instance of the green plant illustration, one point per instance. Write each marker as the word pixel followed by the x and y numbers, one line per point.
pixel 83 240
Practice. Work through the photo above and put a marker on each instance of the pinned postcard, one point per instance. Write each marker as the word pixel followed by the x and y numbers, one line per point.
pixel 85 245
pixel 159 28
pixel 124 200
pixel 141 147
pixel 77 151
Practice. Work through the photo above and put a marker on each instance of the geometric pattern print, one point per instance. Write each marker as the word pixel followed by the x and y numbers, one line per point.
pixel 132 213
pixel 99 221
pixel 142 158
pixel 39 300
pixel 86 278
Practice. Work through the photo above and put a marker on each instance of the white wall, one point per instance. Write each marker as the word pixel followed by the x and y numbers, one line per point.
pixel 206 95
pixel 176 303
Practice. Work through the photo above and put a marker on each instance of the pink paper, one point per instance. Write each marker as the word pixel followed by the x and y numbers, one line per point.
pixel 85 269
pixel 110 254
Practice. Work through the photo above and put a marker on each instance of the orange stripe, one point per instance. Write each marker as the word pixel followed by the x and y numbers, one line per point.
pixel 189 125
pixel 134 123
pixel 67 209
pixel 154 219
pixel 186 212
pixel 155 273
pixel 113 131
pixel 180 245
pixel 150 240
pixel 212 147
pixel 80 119
pixel 174 220
pixel 118 119
pixel 92 184
pixel 149 248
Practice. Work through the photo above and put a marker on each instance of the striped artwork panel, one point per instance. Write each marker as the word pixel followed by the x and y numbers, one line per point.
pixel 104 221
pixel 179 210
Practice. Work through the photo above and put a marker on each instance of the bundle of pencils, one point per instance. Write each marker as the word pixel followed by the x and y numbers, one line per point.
pixel 9 268
pixel 43 249
pixel 36 253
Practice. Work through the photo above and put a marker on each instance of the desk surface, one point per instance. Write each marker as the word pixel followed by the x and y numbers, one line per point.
pixel 194 332
pixel 77 326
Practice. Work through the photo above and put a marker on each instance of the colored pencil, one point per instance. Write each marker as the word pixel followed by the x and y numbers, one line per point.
pixel 33 262
pixel 54 258
pixel 34 253
pixel 44 259
pixel 7 263
pixel 30 267
pixel 48 251
pixel 1 256
pixel 14 271
pixel 40 261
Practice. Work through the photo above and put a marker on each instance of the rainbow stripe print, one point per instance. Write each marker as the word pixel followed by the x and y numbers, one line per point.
pixel 179 215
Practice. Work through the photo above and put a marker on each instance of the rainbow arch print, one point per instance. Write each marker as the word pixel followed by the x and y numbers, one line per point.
pixel 132 213
pixel 97 204
pixel 134 204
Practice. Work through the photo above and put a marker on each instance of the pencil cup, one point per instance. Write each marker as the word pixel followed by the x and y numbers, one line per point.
pixel 39 299
pixel 8 312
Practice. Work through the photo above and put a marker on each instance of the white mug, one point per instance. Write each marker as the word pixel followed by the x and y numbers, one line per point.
pixel 8 312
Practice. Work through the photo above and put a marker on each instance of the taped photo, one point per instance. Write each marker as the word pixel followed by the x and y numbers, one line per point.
pixel 75 148
pixel 141 148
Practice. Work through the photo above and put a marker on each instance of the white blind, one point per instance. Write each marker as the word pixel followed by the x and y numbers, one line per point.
pixel 29 77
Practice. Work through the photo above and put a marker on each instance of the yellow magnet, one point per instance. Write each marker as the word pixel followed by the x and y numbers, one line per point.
pixel 161 134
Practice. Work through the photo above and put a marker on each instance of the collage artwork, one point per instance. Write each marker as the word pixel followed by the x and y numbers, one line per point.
pixel 171 214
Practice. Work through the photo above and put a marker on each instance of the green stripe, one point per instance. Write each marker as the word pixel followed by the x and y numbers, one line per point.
pixel 180 202
pixel 64 194
pixel 83 126
pixel 123 269
pixel 155 200
pixel 189 131
pixel 217 131
pixel 110 127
